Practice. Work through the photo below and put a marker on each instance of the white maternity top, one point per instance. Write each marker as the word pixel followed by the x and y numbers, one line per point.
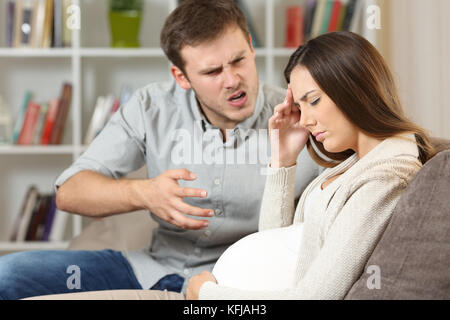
pixel 265 260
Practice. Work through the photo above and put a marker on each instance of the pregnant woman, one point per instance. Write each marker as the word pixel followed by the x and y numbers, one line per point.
pixel 342 103
pixel 343 106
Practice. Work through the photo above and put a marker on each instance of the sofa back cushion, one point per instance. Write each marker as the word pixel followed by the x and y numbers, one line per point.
pixel 412 259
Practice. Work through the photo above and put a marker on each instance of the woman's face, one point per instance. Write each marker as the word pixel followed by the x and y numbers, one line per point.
pixel 320 115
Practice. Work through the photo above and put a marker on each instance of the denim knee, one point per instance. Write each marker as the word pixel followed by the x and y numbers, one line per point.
pixel 13 270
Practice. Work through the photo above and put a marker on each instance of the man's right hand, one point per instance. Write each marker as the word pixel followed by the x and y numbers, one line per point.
pixel 164 197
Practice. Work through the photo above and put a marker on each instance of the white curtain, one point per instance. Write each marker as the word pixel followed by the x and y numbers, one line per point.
pixel 419 52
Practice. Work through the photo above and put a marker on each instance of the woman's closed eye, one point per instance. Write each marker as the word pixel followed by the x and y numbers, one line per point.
pixel 315 102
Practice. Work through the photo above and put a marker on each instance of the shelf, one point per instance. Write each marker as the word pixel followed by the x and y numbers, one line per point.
pixel 38 149
pixel 283 52
pixel 50 53
pixel 32 245
pixel 114 52
pixel 83 65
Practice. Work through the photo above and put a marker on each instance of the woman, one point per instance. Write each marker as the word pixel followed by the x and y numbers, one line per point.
pixel 343 105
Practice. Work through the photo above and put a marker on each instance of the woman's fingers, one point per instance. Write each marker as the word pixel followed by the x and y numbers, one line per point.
pixel 285 107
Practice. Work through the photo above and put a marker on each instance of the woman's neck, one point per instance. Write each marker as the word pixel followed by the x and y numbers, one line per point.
pixel 364 144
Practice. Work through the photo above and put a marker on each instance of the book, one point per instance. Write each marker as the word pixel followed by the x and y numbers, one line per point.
pixel 21 116
pixel 10 9
pixel 334 16
pixel 23 23
pixel 57 24
pixel 115 106
pixel 310 8
pixel 61 116
pixel 66 32
pixel 47 226
pixel 342 12
pixel 15 229
pixel 101 114
pixel 318 17
pixel 41 223
pixel 37 133
pixel 47 34
pixel 25 216
pixel 326 16
pixel 294 27
pixel 29 123
pixel 58 226
pixel 37 221
pixel 38 218
pixel 355 25
pixel 346 24
pixel 49 122
pixel 38 23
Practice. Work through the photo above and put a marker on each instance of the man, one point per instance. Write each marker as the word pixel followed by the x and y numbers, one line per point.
pixel 198 137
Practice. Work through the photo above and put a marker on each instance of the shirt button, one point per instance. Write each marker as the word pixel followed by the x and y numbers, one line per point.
pixel 197 250
pixel 217 181
pixel 218 212
pixel 207 233
pixel 186 271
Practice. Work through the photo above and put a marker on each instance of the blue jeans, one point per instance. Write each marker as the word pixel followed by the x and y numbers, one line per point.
pixel 34 273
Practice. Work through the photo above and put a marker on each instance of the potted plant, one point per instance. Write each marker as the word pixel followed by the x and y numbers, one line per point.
pixel 125 22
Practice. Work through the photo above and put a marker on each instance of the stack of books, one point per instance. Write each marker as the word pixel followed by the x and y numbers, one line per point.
pixel 39 219
pixel 37 23
pixel 104 108
pixel 317 17
pixel 42 124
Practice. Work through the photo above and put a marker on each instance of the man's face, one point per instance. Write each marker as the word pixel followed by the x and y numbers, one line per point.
pixel 222 73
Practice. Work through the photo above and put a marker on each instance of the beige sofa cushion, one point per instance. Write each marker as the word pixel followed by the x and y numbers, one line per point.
pixel 130 231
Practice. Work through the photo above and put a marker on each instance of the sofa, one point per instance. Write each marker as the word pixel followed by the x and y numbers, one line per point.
pixel 411 260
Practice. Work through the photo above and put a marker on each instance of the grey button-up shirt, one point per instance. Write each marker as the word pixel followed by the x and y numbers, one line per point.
pixel 163 128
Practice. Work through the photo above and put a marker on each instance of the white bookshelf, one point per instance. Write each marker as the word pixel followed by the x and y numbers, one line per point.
pixel 95 69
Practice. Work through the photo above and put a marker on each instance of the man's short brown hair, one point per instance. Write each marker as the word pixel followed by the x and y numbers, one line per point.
pixel 196 21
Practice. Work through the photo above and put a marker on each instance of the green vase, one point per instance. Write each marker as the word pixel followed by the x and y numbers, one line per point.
pixel 125 27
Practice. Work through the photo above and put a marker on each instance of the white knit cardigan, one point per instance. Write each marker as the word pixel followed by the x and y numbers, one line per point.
pixel 344 224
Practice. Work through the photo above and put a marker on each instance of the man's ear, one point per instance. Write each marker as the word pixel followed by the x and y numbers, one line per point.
pixel 250 43
pixel 180 78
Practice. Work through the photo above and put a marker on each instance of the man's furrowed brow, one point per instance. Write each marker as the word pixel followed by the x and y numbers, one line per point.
pixel 210 69
pixel 237 56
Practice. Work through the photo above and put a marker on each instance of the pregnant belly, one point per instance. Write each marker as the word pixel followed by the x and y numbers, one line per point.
pixel 265 260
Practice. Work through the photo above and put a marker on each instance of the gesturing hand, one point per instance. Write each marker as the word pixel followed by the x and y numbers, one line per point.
pixel 163 196
pixel 287 137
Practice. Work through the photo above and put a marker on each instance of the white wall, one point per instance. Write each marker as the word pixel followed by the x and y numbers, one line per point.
pixel 419 50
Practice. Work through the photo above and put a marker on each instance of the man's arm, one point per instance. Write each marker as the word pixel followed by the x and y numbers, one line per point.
pixel 92 194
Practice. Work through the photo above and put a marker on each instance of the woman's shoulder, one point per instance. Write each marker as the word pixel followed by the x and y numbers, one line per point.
pixel 388 171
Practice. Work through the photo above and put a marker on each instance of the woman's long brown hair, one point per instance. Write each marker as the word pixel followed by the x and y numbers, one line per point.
pixel 351 71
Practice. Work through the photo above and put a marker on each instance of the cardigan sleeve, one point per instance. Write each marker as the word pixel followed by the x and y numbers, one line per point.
pixel 277 206
pixel 348 244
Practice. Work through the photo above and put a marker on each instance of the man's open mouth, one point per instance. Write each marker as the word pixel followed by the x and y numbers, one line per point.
pixel 237 96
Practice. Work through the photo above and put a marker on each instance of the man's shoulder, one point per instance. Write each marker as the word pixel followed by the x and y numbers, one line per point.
pixel 273 94
pixel 158 89
pixel 163 95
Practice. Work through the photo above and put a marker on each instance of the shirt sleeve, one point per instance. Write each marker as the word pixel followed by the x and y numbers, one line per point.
pixel 119 148
pixel 347 246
